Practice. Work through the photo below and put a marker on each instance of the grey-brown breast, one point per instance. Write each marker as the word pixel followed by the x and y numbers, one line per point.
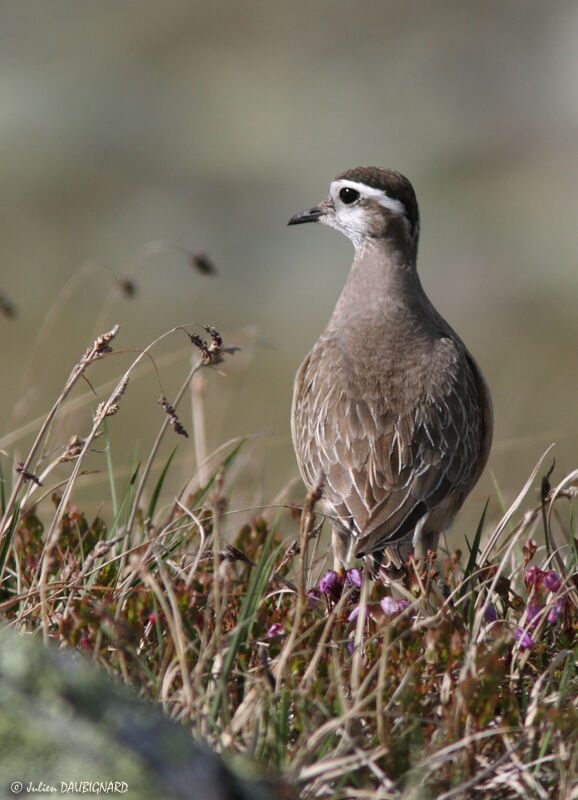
pixel 393 430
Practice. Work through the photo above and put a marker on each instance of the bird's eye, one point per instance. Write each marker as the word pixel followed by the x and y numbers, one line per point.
pixel 348 195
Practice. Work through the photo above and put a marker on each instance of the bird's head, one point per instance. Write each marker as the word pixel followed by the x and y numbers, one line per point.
pixel 368 204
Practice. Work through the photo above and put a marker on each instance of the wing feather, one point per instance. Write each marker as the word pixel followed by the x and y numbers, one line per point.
pixel 389 449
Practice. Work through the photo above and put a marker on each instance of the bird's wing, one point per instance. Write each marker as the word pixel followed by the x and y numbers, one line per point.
pixel 387 461
pixel 439 445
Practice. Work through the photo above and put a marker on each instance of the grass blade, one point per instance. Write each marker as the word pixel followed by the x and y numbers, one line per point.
pixel 159 485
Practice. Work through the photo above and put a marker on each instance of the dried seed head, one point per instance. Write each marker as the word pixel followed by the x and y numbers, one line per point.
pixel 110 407
pixel 110 411
pixel 121 390
pixel 211 352
pixel 28 476
pixel 73 449
pixel 215 335
pixel 202 263
pixel 101 346
pixel 127 287
pixel 202 346
pixel 7 307
pixel 172 415
pixel 232 554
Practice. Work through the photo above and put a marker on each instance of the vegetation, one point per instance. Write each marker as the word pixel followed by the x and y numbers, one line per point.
pixel 458 678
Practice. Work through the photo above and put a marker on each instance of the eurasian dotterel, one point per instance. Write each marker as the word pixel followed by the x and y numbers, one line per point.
pixel 391 413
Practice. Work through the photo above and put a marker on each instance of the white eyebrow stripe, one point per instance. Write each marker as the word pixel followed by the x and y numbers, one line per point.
pixel 369 191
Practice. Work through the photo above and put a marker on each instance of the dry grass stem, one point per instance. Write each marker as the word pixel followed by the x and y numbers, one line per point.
pixel 457 679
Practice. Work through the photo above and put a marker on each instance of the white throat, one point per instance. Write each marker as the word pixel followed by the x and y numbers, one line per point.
pixel 354 219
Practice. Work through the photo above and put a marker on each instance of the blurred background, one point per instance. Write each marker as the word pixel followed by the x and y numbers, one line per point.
pixel 205 126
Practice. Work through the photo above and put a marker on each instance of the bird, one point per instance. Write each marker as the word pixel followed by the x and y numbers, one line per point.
pixel 391 415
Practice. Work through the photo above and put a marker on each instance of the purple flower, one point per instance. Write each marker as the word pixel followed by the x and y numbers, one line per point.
pixel 532 610
pixel 490 613
pixel 354 577
pixel 390 606
pixel 551 580
pixel 556 610
pixel 313 596
pixel 355 613
pixel 276 629
pixel 533 575
pixel 330 582
pixel 524 638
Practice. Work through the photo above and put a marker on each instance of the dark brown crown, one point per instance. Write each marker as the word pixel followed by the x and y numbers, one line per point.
pixel 393 183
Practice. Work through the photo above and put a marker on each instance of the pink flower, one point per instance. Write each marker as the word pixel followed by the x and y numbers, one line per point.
pixel 524 638
pixel 551 580
pixel 276 629
pixel 532 610
pixel 331 582
pixel 354 577
pixel 533 575
pixel 390 606
pixel 556 610
pixel 313 596
pixel 355 613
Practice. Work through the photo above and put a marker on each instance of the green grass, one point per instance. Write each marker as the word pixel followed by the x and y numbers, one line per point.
pixel 463 684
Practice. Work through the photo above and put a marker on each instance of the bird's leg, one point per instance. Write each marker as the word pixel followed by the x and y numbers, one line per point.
pixel 424 540
pixel 342 542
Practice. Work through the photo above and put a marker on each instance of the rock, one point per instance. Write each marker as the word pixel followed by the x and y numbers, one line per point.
pixel 66 728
